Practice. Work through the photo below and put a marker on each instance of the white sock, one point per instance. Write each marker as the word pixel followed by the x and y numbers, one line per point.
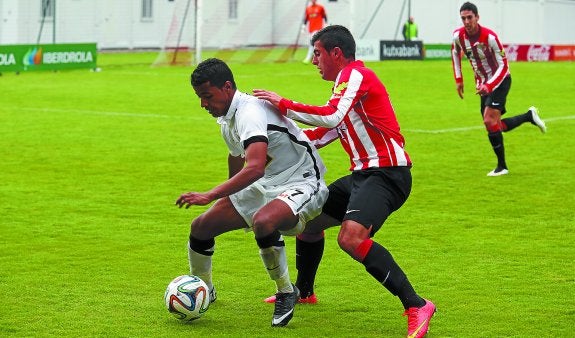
pixel 201 266
pixel 275 261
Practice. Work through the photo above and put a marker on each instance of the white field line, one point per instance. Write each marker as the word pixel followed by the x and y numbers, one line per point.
pixel 193 117
pixel 463 129
pixel 104 113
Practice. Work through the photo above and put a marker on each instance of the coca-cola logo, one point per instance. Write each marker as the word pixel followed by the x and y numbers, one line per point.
pixel 538 53
pixel 512 51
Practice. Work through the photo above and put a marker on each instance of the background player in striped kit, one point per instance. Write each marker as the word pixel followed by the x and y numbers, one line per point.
pixel 492 79
pixel 360 114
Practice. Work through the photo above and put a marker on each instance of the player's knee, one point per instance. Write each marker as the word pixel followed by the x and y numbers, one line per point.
pixel 493 126
pixel 200 228
pixel 263 224
pixel 347 242
pixel 310 237
pixel 351 235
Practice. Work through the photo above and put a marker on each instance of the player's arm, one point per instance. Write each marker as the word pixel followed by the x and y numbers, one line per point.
pixel 456 65
pixel 327 116
pixel 346 93
pixel 254 169
pixel 235 164
pixel 502 66
pixel 320 136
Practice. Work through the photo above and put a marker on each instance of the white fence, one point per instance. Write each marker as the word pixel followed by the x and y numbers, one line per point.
pixel 234 23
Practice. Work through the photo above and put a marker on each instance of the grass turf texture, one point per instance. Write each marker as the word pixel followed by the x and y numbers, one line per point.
pixel 92 163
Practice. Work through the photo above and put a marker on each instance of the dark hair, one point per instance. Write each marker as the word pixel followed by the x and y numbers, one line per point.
pixel 468 6
pixel 214 71
pixel 336 36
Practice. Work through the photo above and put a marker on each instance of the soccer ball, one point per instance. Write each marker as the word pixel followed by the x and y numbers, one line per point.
pixel 187 297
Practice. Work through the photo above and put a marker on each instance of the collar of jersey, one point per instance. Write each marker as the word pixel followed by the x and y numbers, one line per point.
pixel 233 108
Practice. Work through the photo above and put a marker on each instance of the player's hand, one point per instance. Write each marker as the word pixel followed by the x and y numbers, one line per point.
pixel 271 97
pixel 303 28
pixel 483 90
pixel 460 89
pixel 193 198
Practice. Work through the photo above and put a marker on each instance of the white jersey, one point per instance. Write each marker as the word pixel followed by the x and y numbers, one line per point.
pixel 291 155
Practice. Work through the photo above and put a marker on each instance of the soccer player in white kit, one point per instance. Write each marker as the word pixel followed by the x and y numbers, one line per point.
pixel 275 182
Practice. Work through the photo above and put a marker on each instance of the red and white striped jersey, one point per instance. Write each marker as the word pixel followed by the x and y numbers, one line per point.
pixel 360 113
pixel 485 53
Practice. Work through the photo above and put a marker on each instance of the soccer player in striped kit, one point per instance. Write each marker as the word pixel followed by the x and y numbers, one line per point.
pixel 492 80
pixel 360 114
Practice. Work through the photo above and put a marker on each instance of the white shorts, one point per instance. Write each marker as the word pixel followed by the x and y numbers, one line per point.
pixel 305 199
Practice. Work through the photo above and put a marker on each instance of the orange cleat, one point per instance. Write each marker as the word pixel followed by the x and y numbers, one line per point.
pixel 312 299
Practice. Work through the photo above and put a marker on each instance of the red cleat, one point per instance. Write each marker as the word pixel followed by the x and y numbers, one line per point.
pixel 307 300
pixel 418 319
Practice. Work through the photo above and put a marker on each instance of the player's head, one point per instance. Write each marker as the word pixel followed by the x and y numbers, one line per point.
pixel 333 49
pixel 213 70
pixel 468 6
pixel 336 36
pixel 470 18
pixel 213 82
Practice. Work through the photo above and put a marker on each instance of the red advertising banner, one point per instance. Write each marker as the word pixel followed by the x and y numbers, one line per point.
pixel 563 53
pixel 540 52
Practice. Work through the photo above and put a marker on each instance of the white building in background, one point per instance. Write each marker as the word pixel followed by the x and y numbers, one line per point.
pixel 135 24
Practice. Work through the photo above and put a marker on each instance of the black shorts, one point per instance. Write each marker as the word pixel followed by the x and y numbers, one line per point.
pixel 369 196
pixel 497 98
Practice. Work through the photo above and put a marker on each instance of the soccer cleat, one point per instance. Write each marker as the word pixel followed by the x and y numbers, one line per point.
pixel 418 319
pixel 536 120
pixel 284 307
pixel 311 299
pixel 498 172
pixel 213 295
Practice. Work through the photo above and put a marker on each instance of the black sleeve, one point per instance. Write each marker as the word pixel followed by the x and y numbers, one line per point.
pixel 255 139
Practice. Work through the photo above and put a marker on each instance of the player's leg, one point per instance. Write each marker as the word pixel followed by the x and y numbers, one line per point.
pixel 510 123
pixel 267 222
pixel 309 54
pixel 492 121
pixel 309 251
pixel 310 243
pixel 531 116
pixel 374 198
pixel 492 108
pixel 221 217
pixel 280 214
pixel 287 212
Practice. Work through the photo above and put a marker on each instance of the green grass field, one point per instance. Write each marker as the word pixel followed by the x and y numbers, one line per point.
pixel 91 164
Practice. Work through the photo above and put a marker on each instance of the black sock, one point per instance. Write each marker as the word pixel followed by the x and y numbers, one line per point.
pixel 273 239
pixel 515 121
pixel 307 259
pixel 202 247
pixel 496 139
pixel 381 265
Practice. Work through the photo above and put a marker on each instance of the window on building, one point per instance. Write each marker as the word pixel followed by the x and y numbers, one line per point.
pixel 233 9
pixel 147 9
pixel 47 9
